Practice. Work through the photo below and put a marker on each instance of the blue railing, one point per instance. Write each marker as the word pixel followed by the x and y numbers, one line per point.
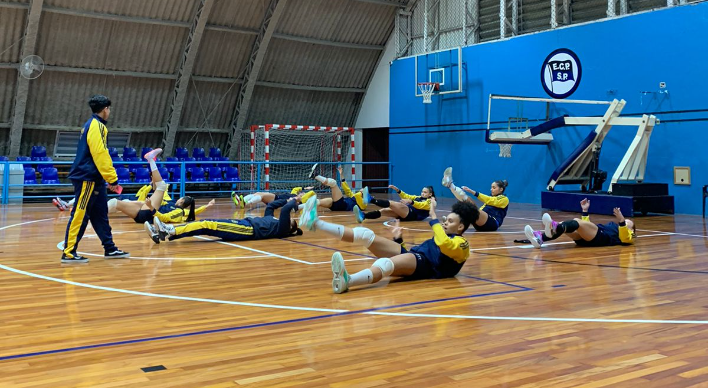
pixel 253 170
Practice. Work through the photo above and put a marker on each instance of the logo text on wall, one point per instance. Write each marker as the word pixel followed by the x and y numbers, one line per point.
pixel 561 73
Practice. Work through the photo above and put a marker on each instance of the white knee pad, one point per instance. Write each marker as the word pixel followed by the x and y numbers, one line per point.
pixel 161 186
pixel 459 194
pixel 363 236
pixel 385 265
pixel 252 198
pixel 112 205
pixel 330 182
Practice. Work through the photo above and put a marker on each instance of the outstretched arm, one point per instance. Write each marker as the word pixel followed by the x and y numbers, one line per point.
pixel 284 220
pixel 585 206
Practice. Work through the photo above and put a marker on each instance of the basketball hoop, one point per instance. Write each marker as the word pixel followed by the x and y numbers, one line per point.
pixel 427 89
pixel 505 150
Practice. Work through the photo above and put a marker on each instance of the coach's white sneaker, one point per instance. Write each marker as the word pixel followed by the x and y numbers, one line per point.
pixel 340 277
pixel 447 177
pixel 308 216
pixel 535 237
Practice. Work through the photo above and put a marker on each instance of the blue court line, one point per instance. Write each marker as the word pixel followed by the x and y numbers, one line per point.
pixel 328 248
pixel 251 326
pixel 494 281
pixel 593 265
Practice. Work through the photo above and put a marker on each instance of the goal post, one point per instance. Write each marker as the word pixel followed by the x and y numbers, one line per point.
pixel 301 146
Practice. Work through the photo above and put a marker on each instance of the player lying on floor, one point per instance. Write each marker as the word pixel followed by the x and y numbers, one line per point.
pixel 584 232
pixel 249 228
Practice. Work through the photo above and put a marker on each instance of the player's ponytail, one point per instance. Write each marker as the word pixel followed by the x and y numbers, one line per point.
pixel 189 201
pixel 432 192
pixel 502 184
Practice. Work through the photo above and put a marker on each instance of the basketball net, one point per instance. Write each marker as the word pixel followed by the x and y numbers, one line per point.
pixel 505 150
pixel 427 89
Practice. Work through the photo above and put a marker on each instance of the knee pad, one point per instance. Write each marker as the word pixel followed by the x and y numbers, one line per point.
pixel 112 205
pixel 363 236
pixel 459 194
pixel 385 265
pixel 161 186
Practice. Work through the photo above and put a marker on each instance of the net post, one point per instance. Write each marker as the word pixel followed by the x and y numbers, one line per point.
pixel 254 128
pixel 267 157
pixel 353 152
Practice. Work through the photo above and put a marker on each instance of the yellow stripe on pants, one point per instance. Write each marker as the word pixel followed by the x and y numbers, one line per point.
pixel 214 225
pixel 78 218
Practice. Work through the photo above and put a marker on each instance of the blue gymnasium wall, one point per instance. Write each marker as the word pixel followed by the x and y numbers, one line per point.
pixel 620 59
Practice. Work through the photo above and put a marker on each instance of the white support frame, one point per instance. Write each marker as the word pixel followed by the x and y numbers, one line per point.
pixel 268 127
pixel 634 162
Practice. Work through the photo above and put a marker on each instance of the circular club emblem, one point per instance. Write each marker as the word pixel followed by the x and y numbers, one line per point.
pixel 560 73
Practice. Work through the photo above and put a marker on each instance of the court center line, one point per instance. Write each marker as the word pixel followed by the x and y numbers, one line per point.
pixel 165 296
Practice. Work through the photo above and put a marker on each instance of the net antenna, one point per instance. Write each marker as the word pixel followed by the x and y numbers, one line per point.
pixel 31 66
pixel 427 89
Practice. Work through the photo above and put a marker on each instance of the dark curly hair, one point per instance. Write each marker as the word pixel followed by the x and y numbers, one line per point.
pixel 468 212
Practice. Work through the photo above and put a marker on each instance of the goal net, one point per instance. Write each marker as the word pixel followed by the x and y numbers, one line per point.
pixel 290 151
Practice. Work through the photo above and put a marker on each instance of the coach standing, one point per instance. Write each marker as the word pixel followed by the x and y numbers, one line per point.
pixel 91 170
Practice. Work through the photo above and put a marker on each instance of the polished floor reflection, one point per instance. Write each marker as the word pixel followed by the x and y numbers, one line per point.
pixel 262 313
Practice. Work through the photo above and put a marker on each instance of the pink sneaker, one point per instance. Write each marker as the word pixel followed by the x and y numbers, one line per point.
pixel 535 237
pixel 548 225
pixel 152 155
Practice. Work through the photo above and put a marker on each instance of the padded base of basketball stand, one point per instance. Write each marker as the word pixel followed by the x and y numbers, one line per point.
pixel 603 203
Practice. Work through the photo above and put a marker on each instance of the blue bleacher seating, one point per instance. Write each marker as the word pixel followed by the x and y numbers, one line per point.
pixel 142 175
pixel 164 173
pixel 41 167
pixel 50 176
pixel 112 151
pixel 215 174
pixel 30 177
pixel 4 159
pixel 116 158
pixel 176 174
pixel 198 174
pixel 144 151
pixel 232 174
pixel 198 153
pixel 129 152
pixel 133 167
pixel 38 152
pixel 123 175
pixel 214 152
pixel 181 153
pixel 24 159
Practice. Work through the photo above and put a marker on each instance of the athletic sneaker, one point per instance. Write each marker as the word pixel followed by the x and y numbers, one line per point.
pixel 308 217
pixel 548 225
pixel 237 199
pixel 152 155
pixel 117 254
pixel 535 237
pixel 61 205
pixel 340 277
pixel 359 214
pixel 447 177
pixel 312 172
pixel 163 229
pixel 152 232
pixel 75 259
pixel 365 195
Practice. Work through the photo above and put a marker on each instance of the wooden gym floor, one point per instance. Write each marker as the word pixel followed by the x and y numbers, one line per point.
pixel 262 313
